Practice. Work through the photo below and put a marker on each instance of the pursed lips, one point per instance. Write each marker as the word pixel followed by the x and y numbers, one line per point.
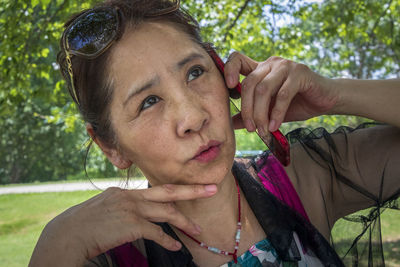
pixel 209 152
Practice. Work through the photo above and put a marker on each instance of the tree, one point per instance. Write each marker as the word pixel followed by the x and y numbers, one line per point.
pixel 40 137
pixel 41 133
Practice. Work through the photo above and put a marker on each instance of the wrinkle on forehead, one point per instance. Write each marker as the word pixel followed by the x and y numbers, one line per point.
pixel 144 36
pixel 143 49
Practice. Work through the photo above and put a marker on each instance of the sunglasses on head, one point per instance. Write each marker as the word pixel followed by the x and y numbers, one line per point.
pixel 90 34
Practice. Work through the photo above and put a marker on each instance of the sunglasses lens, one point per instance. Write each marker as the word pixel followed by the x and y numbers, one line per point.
pixel 93 32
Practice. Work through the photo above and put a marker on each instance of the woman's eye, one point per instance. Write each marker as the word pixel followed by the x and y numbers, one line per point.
pixel 194 73
pixel 149 101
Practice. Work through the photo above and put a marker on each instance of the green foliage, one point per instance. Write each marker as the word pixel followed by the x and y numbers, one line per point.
pixel 35 148
pixel 358 39
pixel 41 133
pixel 42 136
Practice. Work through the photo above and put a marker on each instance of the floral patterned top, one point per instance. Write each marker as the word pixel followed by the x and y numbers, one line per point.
pixel 263 254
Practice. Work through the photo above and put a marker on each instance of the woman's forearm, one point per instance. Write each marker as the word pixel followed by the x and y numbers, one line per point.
pixel 374 99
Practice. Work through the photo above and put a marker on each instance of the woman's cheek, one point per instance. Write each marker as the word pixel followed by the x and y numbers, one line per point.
pixel 150 128
pixel 215 96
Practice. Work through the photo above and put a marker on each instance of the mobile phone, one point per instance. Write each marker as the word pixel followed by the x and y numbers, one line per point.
pixel 277 144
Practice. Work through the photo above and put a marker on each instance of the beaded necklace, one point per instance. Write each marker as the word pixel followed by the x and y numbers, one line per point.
pixel 237 236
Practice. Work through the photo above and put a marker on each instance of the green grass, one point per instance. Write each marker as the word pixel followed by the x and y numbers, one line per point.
pixel 94 180
pixel 23 217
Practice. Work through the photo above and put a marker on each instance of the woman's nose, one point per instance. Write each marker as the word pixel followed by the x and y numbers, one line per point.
pixel 192 117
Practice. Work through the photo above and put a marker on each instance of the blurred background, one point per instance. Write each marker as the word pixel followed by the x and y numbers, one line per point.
pixel 42 138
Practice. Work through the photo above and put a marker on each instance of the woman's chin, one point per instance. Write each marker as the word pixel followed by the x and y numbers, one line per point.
pixel 196 173
pixel 213 175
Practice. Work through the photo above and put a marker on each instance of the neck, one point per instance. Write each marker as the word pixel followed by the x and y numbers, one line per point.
pixel 216 215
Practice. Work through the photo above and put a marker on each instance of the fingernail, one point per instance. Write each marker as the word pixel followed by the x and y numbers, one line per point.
pixel 249 125
pixel 178 244
pixel 198 229
pixel 210 188
pixel 231 81
pixel 272 125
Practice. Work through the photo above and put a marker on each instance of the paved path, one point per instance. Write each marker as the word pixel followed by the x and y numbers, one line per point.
pixel 82 186
pixel 68 187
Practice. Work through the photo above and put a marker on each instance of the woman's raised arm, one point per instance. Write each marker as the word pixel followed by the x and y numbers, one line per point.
pixel 374 99
pixel 279 90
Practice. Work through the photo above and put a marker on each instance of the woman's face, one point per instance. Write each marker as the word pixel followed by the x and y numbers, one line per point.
pixel 170 109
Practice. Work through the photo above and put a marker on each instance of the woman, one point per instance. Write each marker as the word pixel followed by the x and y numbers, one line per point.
pixel 152 96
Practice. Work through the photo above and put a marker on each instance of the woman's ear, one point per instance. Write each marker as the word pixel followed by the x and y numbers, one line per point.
pixel 113 155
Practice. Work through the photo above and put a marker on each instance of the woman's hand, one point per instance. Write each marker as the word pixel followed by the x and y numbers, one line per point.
pixel 277 90
pixel 112 218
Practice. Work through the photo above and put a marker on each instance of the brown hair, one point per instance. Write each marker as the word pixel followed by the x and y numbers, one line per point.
pixel 93 90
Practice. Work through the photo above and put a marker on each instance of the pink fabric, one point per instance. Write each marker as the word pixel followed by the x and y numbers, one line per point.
pixel 128 255
pixel 274 178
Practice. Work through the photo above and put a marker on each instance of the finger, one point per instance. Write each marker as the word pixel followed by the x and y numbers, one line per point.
pixel 238 121
pixel 248 95
pixel 237 64
pixel 154 232
pixel 264 92
pixel 172 192
pixel 167 212
pixel 283 99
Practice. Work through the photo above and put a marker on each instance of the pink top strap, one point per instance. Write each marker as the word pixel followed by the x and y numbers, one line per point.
pixel 275 179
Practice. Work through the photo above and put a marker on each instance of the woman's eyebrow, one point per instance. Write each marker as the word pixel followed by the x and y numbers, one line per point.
pixel 156 80
pixel 187 59
pixel 141 88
